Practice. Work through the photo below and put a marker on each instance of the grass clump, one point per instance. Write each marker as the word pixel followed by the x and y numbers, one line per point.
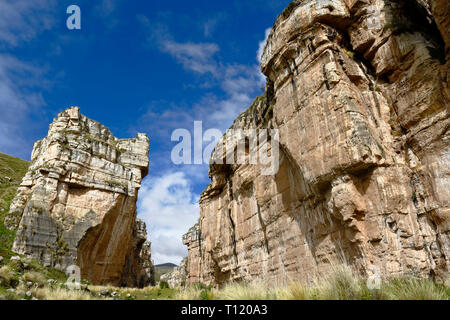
pixel 7 277
pixel 12 170
pixel 116 183
pixel 340 284
pixel 49 293
pixel 148 293
pixel 34 277
pixel 163 284
pixel 245 291
pixel 415 289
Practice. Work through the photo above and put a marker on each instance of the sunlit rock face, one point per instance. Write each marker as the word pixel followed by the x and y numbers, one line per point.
pixel 176 278
pixel 359 93
pixel 77 203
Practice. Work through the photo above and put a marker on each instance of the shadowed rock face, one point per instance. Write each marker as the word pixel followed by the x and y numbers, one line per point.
pixel 359 93
pixel 77 202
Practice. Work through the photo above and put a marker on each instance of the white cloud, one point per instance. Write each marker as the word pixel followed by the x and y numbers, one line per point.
pixel 20 82
pixel 259 53
pixel 262 45
pixel 22 20
pixel 169 207
pixel 18 99
pixel 211 24
pixel 197 57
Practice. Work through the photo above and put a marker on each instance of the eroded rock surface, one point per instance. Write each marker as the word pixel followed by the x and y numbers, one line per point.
pixel 176 278
pixel 77 203
pixel 359 93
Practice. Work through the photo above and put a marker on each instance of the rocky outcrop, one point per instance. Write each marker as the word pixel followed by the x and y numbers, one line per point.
pixel 77 203
pixel 176 278
pixel 358 90
pixel 192 240
pixel 139 269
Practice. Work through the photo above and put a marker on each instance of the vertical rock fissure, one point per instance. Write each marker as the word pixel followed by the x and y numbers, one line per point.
pixel 263 227
pixel 233 236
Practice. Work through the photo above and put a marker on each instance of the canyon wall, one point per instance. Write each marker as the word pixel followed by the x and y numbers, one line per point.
pixel 359 93
pixel 77 203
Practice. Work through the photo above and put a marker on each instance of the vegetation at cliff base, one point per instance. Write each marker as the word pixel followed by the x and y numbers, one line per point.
pixel 162 269
pixel 340 284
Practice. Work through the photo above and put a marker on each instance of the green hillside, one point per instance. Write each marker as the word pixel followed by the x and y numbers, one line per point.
pixel 12 170
pixel 164 268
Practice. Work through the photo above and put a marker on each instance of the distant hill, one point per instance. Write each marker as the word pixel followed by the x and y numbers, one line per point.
pixel 163 269
pixel 12 170
pixel 166 265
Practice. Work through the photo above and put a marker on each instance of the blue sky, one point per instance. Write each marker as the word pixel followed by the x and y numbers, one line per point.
pixel 135 66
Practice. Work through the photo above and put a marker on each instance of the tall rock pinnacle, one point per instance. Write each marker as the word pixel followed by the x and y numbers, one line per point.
pixel 77 203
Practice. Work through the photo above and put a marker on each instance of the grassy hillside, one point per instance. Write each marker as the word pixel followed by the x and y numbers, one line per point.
pixel 12 170
pixel 162 269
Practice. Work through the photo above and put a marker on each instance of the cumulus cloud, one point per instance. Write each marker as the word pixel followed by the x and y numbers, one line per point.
pixel 262 45
pixel 18 98
pixel 210 25
pixel 20 82
pixel 197 57
pixel 259 53
pixel 169 206
pixel 23 20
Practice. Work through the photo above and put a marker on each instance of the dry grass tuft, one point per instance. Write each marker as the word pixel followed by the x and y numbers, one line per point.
pixel 48 293
pixel 340 284
pixel 6 276
pixel 34 277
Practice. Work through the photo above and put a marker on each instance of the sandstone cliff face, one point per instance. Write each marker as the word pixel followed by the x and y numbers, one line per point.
pixel 77 203
pixel 359 93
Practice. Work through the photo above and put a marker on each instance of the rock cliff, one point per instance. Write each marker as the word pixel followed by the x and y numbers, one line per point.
pixel 77 203
pixel 358 90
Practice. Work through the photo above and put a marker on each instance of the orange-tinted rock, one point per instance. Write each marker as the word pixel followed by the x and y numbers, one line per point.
pixel 77 202
pixel 358 91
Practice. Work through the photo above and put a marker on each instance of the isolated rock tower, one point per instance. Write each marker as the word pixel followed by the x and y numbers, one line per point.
pixel 77 203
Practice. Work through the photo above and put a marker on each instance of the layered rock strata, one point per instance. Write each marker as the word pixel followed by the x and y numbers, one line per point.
pixel 358 90
pixel 77 203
